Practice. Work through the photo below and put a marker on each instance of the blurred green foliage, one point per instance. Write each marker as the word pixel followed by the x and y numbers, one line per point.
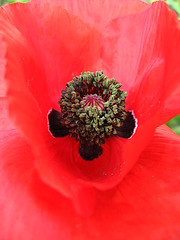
pixel 173 4
pixel 2 2
pixel 175 124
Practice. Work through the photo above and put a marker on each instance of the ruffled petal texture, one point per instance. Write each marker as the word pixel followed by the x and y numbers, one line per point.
pixel 5 122
pixel 149 70
pixel 47 190
pixel 100 13
pixel 47 44
pixel 144 206
pixel 37 38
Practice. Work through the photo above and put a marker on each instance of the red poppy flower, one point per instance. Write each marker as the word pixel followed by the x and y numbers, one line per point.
pixel 49 187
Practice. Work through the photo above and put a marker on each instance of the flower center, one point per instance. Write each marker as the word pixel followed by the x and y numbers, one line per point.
pixel 92 109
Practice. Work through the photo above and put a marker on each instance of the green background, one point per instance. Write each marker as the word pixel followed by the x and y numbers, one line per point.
pixel 173 4
pixel 2 2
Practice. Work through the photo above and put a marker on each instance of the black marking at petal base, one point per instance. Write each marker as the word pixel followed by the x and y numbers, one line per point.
pixel 128 127
pixel 55 126
pixel 89 152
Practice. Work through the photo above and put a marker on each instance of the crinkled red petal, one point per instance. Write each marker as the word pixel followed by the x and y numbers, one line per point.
pixel 5 122
pixel 144 206
pixel 2 68
pixel 99 13
pixel 34 45
pixel 39 64
pixel 46 47
pixel 144 57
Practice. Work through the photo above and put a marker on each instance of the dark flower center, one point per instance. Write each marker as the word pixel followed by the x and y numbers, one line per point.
pixel 92 109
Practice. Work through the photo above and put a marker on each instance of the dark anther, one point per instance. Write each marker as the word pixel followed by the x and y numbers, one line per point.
pixel 55 126
pixel 90 152
pixel 127 129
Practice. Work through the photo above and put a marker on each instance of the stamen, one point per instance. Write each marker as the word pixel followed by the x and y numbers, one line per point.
pixel 92 109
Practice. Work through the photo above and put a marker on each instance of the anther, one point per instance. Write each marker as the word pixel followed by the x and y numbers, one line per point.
pixel 92 109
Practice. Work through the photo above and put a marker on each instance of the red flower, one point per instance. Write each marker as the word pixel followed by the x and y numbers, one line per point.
pixel 47 190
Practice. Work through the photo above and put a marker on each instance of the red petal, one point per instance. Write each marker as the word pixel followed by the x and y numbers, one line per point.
pixel 22 215
pixel 58 161
pixel 5 122
pixel 144 58
pixel 48 46
pixel 23 106
pixel 144 206
pixel 99 13
pixel 2 67
pixel 34 45
pixel 60 165
pixel 146 203
pixel 39 63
